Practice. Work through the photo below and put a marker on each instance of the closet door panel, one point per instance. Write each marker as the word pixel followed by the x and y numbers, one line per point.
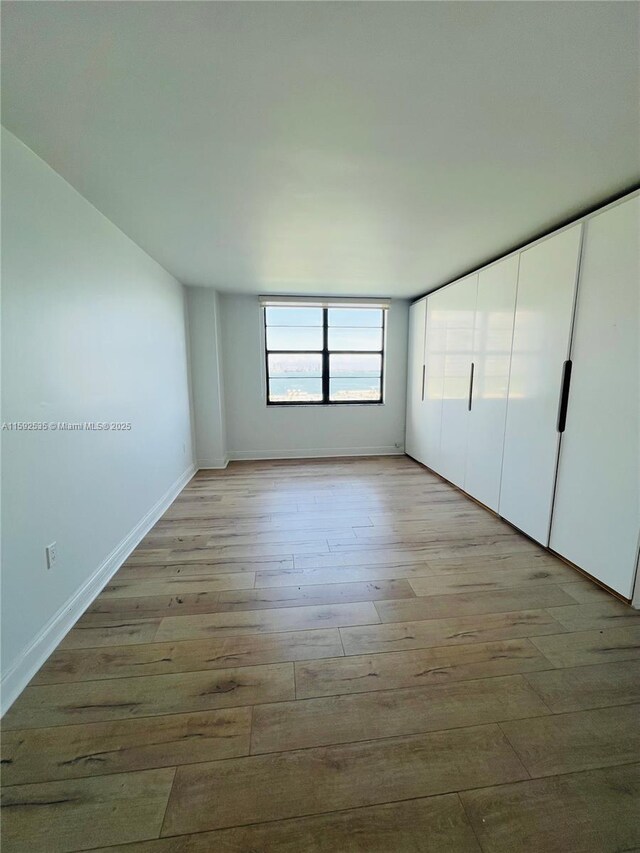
pixel 541 337
pixel 434 377
pixel 414 440
pixel 597 506
pixel 492 338
pixel 458 322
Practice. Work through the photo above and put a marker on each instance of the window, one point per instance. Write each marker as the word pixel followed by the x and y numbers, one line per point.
pixel 324 354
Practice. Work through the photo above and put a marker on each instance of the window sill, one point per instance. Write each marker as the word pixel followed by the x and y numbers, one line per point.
pixel 322 405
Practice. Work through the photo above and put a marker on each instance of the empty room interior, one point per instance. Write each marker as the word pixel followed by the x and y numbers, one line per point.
pixel 320 427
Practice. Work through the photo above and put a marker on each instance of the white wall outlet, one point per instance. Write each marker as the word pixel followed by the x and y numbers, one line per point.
pixel 52 554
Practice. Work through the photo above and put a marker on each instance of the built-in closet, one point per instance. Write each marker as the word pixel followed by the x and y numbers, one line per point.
pixel 524 390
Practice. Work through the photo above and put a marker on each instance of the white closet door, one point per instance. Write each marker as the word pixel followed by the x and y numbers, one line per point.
pixel 414 440
pixel 597 506
pixel 434 372
pixel 541 337
pixel 492 336
pixel 458 319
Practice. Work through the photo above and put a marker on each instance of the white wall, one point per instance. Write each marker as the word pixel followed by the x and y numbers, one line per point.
pixel 257 431
pixel 206 377
pixel 92 330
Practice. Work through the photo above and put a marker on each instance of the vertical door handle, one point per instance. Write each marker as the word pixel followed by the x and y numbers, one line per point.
pixel 564 395
pixel 423 371
pixel 471 385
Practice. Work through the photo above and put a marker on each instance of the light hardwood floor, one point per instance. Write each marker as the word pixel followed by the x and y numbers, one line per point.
pixel 336 656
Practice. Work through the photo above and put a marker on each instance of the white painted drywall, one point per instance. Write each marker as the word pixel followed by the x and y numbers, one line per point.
pixel 92 330
pixel 206 377
pixel 256 431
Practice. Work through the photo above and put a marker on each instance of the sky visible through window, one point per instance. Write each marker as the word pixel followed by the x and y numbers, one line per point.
pixel 300 368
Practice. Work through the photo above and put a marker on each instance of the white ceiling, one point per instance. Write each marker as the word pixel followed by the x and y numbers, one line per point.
pixel 330 148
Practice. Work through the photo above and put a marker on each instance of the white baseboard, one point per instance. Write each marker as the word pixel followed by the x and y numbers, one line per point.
pixel 212 464
pixel 18 675
pixel 316 453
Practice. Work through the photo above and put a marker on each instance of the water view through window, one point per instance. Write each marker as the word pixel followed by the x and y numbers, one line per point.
pixel 324 355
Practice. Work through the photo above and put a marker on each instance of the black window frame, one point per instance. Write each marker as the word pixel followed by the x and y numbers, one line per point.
pixel 325 352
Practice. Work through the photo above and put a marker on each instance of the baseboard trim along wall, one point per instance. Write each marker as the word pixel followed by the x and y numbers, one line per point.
pixel 17 676
pixel 319 453
pixel 212 464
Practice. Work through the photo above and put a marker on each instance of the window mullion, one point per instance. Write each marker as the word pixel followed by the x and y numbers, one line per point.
pixel 325 355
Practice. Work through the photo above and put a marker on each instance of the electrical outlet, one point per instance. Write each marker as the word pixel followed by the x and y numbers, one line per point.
pixel 52 554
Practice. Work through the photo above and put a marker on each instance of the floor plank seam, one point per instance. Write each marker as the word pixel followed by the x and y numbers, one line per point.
pixel 539 692
pixel 133 622
pixel 517 782
pixel 512 747
pixel 344 653
pixel 251 715
pixel 470 822
pixel 296 817
pixel 166 807
pixel 549 668
pixel 305 815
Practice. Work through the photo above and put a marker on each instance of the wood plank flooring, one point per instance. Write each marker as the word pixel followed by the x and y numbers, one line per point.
pixel 332 656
